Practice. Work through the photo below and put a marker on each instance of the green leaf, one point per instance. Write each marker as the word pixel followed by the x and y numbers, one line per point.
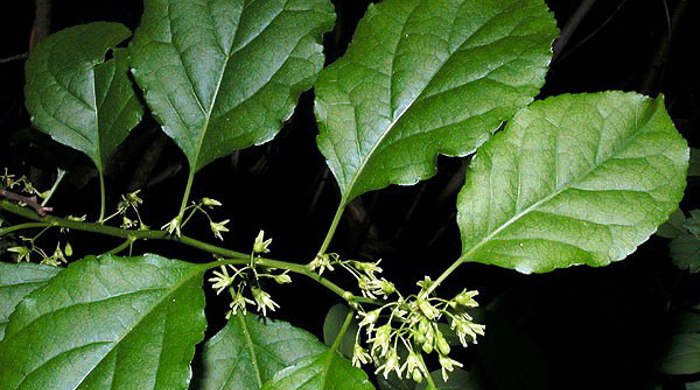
pixel 332 326
pixel 674 226
pixel 78 98
pixel 693 223
pixel 324 371
pixel 16 282
pixel 250 350
pixel 688 321
pixel 694 168
pixel 683 356
pixel 692 386
pixel 685 252
pixel 107 322
pixel 221 75
pixel 427 77
pixel 574 179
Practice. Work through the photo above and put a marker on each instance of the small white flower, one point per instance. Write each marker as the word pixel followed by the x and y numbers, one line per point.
pixel 261 244
pixel 173 227
pixel 238 302
pixel 428 310
pixel 414 367
pixel 282 278
pixel 368 267
pixel 390 364
pixel 447 365
pixel 211 203
pixel 219 227
pixel 381 340
pixel 263 301
pixel 23 253
pixel 465 299
pixel 322 262
pixel 221 280
pixel 360 356
pixel 369 319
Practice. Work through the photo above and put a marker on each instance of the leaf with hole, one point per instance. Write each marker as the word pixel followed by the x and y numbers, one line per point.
pixel 426 77
pixel 107 322
pixel 76 96
pixel 16 282
pixel 250 350
pixel 574 179
pixel 222 75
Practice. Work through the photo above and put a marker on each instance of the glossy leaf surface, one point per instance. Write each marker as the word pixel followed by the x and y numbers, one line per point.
pixel 427 77
pixel 325 371
pixel 221 75
pixel 250 350
pixel 575 179
pixel 78 98
pixel 16 282
pixel 107 322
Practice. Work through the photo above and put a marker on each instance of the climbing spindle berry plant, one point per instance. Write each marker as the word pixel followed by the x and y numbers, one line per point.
pixel 580 179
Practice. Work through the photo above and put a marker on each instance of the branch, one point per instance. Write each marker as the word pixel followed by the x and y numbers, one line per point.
pixel 30 201
pixel 134 235
pixel 16 57
pixel 571 26
pixel 42 22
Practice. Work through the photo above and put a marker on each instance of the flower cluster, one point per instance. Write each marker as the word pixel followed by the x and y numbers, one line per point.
pixel 8 180
pixel 128 209
pixel 24 252
pixel 174 227
pixel 399 332
pixel 370 284
pixel 249 277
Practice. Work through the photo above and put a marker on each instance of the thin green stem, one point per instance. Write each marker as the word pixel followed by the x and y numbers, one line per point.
pixel 103 196
pixel 23 226
pixel 186 195
pixel 428 378
pixel 343 330
pixel 237 258
pixel 59 178
pixel 126 244
pixel 115 231
pixel 332 228
pixel 300 269
pixel 444 275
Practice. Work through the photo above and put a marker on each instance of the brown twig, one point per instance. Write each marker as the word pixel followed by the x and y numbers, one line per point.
pixel 30 201
pixel 571 26
pixel 42 22
pixel 16 57
pixel 657 67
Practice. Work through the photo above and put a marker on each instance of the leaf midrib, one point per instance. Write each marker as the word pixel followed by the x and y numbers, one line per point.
pixel 205 127
pixel 251 350
pixel 347 195
pixel 194 272
pixel 567 186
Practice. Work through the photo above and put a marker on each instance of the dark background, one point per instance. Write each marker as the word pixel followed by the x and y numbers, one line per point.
pixel 578 328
